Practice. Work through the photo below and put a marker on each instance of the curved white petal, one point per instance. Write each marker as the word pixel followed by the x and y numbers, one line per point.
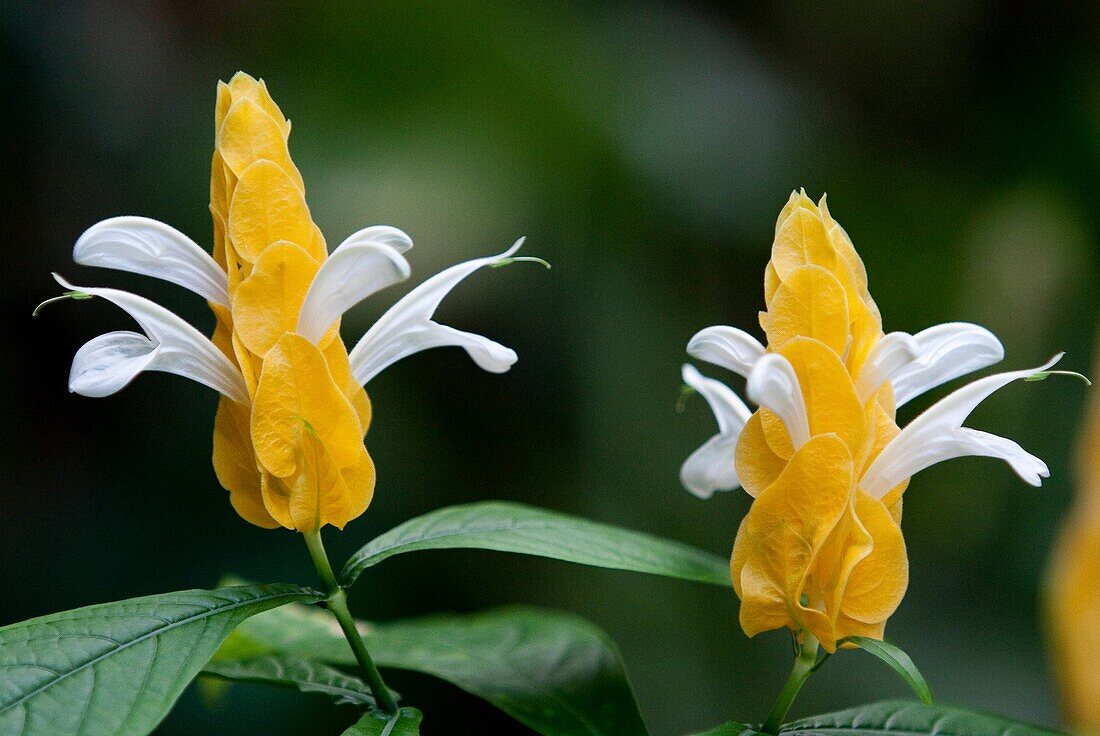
pixel 947 351
pixel 151 248
pixel 380 235
pixel 107 363
pixel 891 353
pixel 774 386
pixel 408 328
pixel 727 347
pixel 938 435
pixel 354 271
pixel 729 411
pixel 174 347
pixel 711 467
pixel 488 355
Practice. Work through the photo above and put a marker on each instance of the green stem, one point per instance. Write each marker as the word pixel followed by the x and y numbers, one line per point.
pixel 338 605
pixel 800 672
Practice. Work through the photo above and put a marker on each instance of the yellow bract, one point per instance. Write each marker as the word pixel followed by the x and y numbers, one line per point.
pixel 294 455
pixel 815 553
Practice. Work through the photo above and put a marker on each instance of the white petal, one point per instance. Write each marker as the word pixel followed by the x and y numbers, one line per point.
pixel 354 271
pixel 938 435
pixel 711 467
pixel 488 355
pixel 174 347
pixel 381 235
pixel 774 386
pixel 728 347
pixel 408 328
pixel 730 412
pixel 947 351
pixel 151 248
pixel 890 354
pixel 107 363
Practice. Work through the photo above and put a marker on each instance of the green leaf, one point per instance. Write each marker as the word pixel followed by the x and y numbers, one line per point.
pixel 405 723
pixel 730 729
pixel 513 527
pixel 554 672
pixel 117 668
pixel 895 717
pixel 290 671
pixel 897 659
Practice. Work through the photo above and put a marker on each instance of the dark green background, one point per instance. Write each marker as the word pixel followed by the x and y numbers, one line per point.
pixel 645 150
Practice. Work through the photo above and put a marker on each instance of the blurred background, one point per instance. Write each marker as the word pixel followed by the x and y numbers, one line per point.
pixel 644 149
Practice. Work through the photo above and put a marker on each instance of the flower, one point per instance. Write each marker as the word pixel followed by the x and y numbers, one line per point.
pixel 1073 589
pixel 821 550
pixel 288 435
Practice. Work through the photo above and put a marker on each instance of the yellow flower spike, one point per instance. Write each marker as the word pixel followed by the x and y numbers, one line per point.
pixel 1073 613
pixel 289 429
pixel 821 551
pixel 1073 588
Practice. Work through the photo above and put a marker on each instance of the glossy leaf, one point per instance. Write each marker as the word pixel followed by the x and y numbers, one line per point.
pixel 730 729
pixel 898 660
pixel 117 668
pixel 554 672
pixel 298 672
pixel 894 717
pixel 405 723
pixel 513 527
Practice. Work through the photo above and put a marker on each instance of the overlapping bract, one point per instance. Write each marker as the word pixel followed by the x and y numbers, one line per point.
pixel 288 435
pixel 294 454
pixel 821 550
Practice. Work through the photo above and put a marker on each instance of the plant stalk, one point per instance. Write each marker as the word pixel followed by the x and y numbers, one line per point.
pixel 800 672
pixel 337 604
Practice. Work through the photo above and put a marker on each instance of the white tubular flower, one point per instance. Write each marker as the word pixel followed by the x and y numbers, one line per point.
pixel 407 328
pixel 355 270
pixel 938 435
pixel 710 468
pixel 726 347
pixel 945 352
pixel 891 354
pixel 774 385
pixel 152 248
pixel 109 362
